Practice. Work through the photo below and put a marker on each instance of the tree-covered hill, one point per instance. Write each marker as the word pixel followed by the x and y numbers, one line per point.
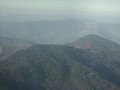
pixel 55 67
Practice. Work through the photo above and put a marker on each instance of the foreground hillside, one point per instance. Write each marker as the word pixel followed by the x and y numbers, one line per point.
pixel 54 67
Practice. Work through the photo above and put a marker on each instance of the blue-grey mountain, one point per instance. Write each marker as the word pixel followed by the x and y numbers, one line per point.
pixel 59 31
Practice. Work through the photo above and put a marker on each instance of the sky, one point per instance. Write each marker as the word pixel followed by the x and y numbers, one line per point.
pixel 103 6
pixel 86 7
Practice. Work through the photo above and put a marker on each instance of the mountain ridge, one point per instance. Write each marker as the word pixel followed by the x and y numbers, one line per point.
pixel 93 41
pixel 8 46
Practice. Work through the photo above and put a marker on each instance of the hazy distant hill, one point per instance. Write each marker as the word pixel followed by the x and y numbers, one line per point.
pixel 59 31
pixel 93 41
pixel 54 67
pixel 9 46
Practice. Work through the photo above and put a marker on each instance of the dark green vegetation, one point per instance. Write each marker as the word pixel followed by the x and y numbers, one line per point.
pixel 8 46
pixel 61 67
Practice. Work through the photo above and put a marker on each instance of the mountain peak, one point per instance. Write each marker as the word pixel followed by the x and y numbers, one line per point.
pixel 93 36
pixel 93 41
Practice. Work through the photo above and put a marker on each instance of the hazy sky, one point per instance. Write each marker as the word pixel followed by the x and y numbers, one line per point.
pixel 101 10
pixel 101 6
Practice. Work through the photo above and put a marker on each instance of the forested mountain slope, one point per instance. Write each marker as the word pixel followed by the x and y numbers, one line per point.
pixel 55 67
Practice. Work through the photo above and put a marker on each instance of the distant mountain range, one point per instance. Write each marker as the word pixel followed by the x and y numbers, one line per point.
pixel 63 67
pixel 59 31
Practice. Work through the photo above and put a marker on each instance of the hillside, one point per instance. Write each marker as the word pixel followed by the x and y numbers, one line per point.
pixel 8 46
pixel 55 67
